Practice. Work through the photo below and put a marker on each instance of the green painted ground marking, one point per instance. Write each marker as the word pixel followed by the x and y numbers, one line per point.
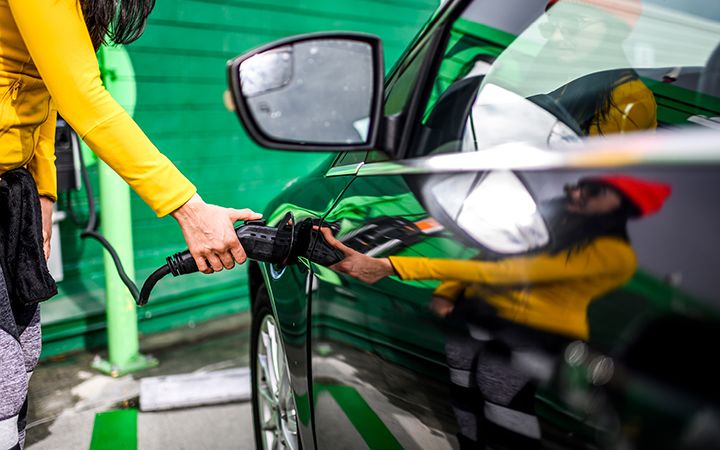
pixel 115 430
pixel 366 422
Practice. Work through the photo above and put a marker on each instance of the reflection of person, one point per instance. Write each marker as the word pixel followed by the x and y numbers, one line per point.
pixel 588 34
pixel 494 301
pixel 48 62
pixel 590 254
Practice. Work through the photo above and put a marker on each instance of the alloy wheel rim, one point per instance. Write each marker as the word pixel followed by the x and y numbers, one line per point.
pixel 276 404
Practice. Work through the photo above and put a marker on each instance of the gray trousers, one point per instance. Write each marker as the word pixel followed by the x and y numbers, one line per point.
pixel 20 343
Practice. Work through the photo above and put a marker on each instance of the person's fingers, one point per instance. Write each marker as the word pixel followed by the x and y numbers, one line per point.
pixel 243 214
pixel 227 260
pixel 46 245
pixel 441 306
pixel 238 254
pixel 330 239
pixel 202 264
pixel 234 250
pixel 214 262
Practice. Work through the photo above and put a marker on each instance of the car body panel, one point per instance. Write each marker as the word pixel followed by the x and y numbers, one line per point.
pixel 375 367
pixel 306 197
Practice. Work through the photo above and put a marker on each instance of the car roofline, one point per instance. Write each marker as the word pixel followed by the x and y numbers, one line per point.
pixel 671 148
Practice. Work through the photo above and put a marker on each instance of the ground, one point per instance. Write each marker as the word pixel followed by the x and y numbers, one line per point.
pixel 66 395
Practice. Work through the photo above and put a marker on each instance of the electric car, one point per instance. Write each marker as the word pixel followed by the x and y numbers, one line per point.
pixel 527 210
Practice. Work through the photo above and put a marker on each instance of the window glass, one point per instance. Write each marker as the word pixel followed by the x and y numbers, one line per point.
pixel 348 158
pixel 401 85
pixel 551 72
pixel 398 90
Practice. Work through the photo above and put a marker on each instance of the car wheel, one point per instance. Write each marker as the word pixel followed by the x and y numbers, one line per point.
pixel 274 410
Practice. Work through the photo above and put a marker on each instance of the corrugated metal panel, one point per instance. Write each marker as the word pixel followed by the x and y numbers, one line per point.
pixel 179 68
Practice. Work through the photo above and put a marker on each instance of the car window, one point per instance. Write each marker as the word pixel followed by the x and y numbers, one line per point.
pixel 553 72
pixel 348 158
pixel 402 83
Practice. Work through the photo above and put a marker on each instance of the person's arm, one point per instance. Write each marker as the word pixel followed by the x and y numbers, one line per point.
pixel 449 290
pixel 444 297
pixel 42 168
pixel 60 46
pixel 57 39
pixel 633 109
pixel 603 256
pixel 42 165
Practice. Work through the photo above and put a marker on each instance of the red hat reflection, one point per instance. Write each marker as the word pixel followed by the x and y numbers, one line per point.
pixel 647 196
pixel 628 11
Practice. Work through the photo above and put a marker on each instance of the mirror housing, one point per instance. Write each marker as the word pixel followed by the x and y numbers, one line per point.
pixel 312 92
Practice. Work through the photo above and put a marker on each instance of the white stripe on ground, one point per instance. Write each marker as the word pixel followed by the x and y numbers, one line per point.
pixel 512 420
pixel 219 427
pixel 8 432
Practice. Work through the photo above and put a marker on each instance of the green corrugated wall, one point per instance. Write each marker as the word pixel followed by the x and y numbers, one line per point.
pixel 179 66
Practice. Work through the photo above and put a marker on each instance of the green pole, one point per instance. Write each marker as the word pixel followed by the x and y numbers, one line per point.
pixel 123 343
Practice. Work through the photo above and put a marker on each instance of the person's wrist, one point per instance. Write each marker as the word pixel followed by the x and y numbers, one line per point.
pixel 188 209
pixel 46 200
pixel 388 268
pixel 46 205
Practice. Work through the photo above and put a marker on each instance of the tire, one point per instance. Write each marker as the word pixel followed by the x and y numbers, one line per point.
pixel 273 404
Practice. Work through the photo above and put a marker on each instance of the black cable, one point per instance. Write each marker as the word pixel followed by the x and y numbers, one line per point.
pixel 71 212
pixel 116 259
pixel 90 231
pixel 91 224
pixel 92 212
pixel 149 284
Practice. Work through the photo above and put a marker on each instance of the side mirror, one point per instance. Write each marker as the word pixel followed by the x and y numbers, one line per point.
pixel 314 92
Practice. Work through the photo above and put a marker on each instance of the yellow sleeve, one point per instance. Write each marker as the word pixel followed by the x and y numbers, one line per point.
pixel 604 256
pixel 42 166
pixel 633 108
pixel 55 34
pixel 450 290
pixel 640 112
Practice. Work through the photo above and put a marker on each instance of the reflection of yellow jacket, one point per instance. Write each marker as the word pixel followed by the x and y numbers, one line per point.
pixel 45 51
pixel 633 108
pixel 549 292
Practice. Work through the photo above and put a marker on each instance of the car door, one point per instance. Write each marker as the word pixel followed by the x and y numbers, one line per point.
pixel 311 197
pixel 307 197
pixel 562 365
pixel 379 369
pixel 342 416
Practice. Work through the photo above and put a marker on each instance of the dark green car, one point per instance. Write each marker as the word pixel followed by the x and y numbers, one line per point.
pixel 526 215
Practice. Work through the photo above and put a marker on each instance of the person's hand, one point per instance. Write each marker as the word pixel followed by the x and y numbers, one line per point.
pixel 46 208
pixel 441 306
pixel 357 265
pixel 210 234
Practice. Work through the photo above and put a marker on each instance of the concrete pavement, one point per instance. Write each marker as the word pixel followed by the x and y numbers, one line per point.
pixel 66 395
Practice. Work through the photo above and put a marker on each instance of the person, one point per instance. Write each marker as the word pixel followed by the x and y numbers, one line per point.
pixel 570 62
pixel 48 65
pixel 590 254
pixel 605 95
pixel 523 307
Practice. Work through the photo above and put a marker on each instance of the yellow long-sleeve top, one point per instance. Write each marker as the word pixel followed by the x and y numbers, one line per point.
pixel 632 108
pixel 548 292
pixel 47 63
